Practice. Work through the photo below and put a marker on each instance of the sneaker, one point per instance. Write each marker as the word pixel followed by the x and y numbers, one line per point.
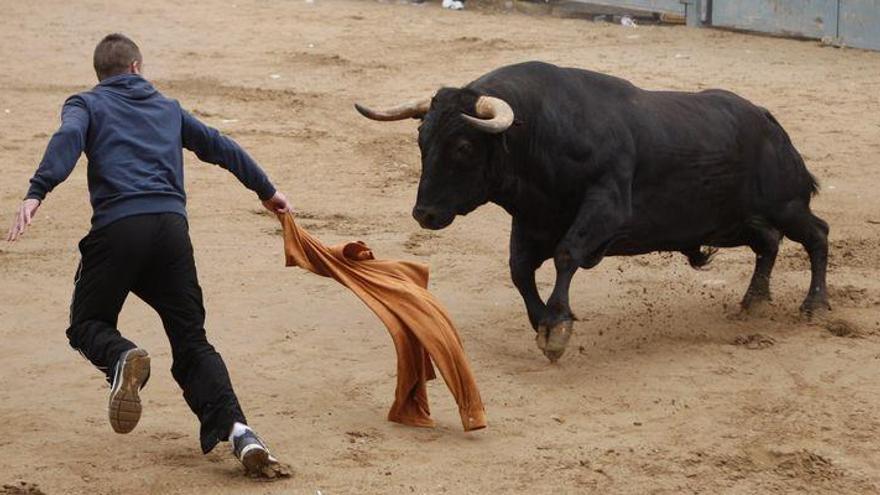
pixel 453 4
pixel 250 450
pixel 132 372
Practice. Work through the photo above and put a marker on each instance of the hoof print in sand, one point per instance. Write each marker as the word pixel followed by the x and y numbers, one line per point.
pixel 21 488
pixel 843 328
pixel 754 341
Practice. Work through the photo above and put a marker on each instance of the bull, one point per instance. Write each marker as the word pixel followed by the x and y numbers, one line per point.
pixel 589 165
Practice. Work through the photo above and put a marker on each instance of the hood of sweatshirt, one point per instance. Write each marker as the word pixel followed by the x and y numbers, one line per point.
pixel 128 85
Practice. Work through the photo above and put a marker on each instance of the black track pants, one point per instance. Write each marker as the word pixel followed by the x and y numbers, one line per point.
pixel 151 255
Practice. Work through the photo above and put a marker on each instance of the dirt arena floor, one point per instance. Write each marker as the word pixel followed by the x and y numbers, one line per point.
pixel 666 387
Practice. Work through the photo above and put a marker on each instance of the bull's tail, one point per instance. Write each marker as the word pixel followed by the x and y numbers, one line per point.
pixel 793 161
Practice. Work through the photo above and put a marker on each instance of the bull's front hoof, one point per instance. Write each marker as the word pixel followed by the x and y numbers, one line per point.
pixel 754 300
pixel 815 306
pixel 553 340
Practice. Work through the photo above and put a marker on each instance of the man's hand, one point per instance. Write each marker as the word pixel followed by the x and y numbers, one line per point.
pixel 278 204
pixel 23 219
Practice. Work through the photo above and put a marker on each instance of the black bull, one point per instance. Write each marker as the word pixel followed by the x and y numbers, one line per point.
pixel 589 165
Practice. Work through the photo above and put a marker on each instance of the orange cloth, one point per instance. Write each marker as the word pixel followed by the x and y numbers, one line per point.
pixel 419 325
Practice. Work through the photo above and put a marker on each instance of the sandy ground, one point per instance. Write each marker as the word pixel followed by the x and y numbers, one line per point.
pixel 665 388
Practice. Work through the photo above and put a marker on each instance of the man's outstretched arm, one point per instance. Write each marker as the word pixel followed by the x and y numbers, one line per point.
pixel 60 157
pixel 213 147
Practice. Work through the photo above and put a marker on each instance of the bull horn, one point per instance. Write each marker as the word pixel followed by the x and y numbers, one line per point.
pixel 495 115
pixel 411 109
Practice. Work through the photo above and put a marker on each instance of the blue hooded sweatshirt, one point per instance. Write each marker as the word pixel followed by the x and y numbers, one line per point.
pixel 134 137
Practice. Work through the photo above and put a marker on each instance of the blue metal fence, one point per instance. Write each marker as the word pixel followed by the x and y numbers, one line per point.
pixel 800 18
pixel 853 23
pixel 859 23
pixel 662 6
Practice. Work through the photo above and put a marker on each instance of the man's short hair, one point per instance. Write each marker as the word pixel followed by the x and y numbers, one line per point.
pixel 114 54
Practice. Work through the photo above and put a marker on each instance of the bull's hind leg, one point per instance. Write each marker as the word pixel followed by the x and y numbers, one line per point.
pixel 764 242
pixel 799 224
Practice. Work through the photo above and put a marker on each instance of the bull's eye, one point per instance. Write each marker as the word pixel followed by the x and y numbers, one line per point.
pixel 464 149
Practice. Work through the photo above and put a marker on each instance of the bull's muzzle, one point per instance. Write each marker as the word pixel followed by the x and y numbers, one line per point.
pixel 432 218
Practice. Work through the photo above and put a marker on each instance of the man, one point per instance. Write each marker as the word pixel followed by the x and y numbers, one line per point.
pixel 139 241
